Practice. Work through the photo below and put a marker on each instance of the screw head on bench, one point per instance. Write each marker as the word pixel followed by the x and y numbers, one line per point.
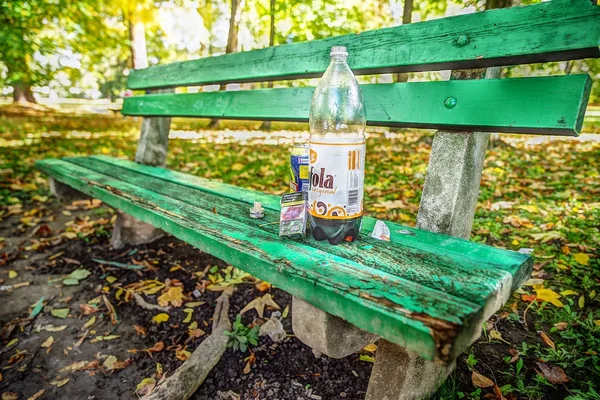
pixel 450 102
pixel 462 40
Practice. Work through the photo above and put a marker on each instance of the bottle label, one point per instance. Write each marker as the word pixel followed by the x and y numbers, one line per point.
pixel 337 172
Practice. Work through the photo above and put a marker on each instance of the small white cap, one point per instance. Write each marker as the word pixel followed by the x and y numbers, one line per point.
pixel 339 51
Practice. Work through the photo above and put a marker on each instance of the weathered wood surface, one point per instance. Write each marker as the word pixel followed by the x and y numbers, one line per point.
pixel 550 31
pixel 546 105
pixel 427 292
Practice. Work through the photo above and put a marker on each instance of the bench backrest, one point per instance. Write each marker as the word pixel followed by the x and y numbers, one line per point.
pixel 551 31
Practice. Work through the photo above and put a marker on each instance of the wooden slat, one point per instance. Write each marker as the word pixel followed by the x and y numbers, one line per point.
pixel 550 31
pixel 546 105
pixel 399 304
pixel 460 251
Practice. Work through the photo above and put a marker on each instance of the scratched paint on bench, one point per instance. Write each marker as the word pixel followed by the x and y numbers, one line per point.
pixel 422 296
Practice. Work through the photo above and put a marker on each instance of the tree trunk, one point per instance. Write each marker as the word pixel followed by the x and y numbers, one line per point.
pixel 406 19
pixel 232 42
pixel 22 93
pixel 266 125
pixel 19 77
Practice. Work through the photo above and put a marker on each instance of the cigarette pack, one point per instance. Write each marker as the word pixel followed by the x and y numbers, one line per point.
pixel 292 221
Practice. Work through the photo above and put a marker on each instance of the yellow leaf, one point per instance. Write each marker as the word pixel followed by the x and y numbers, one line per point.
pixel 581 301
pixel 175 268
pixel 160 318
pixel 89 323
pixel 48 342
pixel 105 150
pixel 194 304
pixel 405 217
pixel 173 295
pixel 370 347
pixel 189 312
pixel 259 304
pixel 550 296
pixel 567 293
pixel 582 258
pixel 12 274
pixel 110 361
pixel 145 387
pixel 528 207
pixel 182 354
pixel 592 294
pixel 286 311
pixel 110 279
pixel 237 167
pixel 597 322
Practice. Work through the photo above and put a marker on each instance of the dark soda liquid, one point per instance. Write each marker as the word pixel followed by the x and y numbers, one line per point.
pixel 335 230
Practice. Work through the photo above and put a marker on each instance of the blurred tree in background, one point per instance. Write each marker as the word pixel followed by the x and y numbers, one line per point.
pixel 85 48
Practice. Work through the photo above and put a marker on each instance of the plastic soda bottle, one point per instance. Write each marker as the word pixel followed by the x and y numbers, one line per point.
pixel 337 153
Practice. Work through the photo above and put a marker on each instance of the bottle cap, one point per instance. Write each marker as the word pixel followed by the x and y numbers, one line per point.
pixel 339 51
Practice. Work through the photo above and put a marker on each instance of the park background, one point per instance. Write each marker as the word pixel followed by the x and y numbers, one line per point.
pixel 63 71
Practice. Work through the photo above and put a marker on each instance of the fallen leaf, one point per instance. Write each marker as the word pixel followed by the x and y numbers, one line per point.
pixel 48 342
pixel 87 309
pixel 37 394
pixel 160 318
pixel 547 340
pixel 52 328
pixel 370 347
pixel 111 310
pixel 550 296
pixel 140 331
pixel 285 312
pixel 481 381
pixel 194 304
pixel 367 358
pixel 12 343
pixel 529 208
pixel 581 301
pixel 89 323
pixel 60 312
pixel 60 383
pixel 263 286
pixel 548 236
pixel 70 282
pixel 12 274
pixel 190 312
pixel 182 354
pixel 567 293
pixel 110 362
pixel 145 387
pixel 259 305
pixel 582 258
pixel 104 338
pixel 553 373
pixel 173 295
pixel 561 326
pixel 37 308
pixel 111 279
pixel 10 396
pixel 76 366
pixel 80 274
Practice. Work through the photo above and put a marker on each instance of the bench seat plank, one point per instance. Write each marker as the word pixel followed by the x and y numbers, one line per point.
pixel 550 31
pixel 390 289
pixel 544 105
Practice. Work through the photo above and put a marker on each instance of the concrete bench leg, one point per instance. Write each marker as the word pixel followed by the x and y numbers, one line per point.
pixel 401 375
pixel 151 150
pixel 65 192
pixel 130 230
pixel 326 333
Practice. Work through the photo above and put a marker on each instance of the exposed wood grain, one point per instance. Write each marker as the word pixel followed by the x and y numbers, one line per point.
pixel 550 31
pixel 458 250
pixel 547 105
pixel 432 322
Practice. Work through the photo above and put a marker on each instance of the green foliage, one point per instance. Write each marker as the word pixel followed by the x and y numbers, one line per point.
pixel 241 336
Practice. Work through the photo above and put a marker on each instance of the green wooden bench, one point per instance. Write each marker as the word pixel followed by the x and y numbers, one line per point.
pixel 428 291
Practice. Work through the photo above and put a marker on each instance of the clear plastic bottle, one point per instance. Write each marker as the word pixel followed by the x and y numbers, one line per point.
pixel 337 153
